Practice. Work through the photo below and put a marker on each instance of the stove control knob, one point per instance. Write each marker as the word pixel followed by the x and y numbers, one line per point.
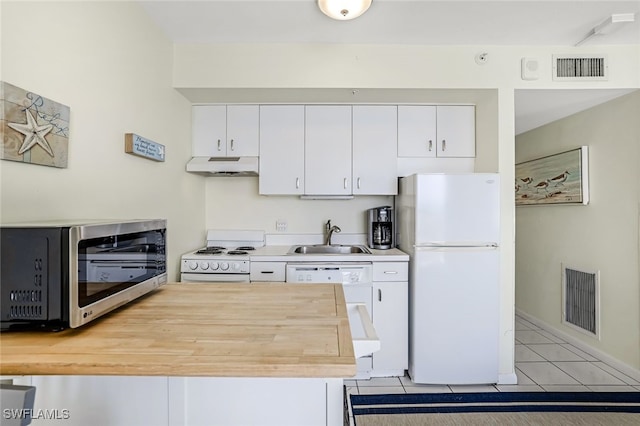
pixel 224 266
pixel 235 266
pixel 204 266
pixel 193 265
pixel 214 265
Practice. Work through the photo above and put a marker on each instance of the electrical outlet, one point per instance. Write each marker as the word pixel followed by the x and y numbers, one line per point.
pixel 281 225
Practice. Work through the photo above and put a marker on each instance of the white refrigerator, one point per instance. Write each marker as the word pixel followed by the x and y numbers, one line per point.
pixel 449 224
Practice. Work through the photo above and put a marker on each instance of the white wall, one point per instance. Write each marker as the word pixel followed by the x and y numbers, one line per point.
pixel 389 73
pixel 601 236
pixel 113 68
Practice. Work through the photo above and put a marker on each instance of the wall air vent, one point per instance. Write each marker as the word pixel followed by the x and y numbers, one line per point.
pixel 581 300
pixel 580 68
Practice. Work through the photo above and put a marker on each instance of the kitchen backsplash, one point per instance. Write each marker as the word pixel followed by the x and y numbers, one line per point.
pixel 234 203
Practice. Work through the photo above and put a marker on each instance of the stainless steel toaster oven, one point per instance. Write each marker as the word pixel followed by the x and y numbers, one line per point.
pixel 57 275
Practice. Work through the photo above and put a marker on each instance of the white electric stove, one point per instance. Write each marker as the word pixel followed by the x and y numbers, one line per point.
pixel 226 257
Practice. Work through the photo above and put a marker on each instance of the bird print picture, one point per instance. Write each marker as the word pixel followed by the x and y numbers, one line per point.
pixel 33 129
pixel 555 179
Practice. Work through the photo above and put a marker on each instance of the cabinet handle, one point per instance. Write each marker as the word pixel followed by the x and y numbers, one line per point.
pixel 297 183
pixel 390 272
pixel 219 145
pixel 430 145
pixel 231 144
pixel 379 295
pixel 345 183
pixel 358 183
pixel 266 272
pixel 444 144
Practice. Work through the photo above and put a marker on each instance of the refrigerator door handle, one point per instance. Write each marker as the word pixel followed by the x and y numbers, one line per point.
pixel 480 244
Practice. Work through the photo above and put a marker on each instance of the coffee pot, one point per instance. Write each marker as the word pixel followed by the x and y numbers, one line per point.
pixel 380 228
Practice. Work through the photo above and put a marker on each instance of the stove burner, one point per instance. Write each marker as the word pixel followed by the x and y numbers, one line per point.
pixel 210 250
pixel 246 248
pixel 236 252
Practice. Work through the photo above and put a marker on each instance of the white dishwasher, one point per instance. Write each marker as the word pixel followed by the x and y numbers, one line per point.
pixel 356 280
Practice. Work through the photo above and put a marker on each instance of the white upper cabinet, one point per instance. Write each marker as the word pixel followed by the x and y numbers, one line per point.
pixel 375 142
pixel 456 128
pixel 225 130
pixel 281 149
pixel 416 131
pixel 328 150
pixel 436 131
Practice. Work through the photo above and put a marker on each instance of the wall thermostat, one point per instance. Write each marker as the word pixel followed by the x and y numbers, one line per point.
pixel 530 69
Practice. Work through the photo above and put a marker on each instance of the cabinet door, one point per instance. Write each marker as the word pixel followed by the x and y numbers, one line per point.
pixel 102 400
pixel 328 150
pixel 391 321
pixel 242 130
pixel 456 131
pixel 281 150
pixel 416 131
pixel 268 271
pixel 208 130
pixel 375 150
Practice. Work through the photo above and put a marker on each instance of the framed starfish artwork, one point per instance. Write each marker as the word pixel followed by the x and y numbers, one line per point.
pixel 33 129
pixel 561 178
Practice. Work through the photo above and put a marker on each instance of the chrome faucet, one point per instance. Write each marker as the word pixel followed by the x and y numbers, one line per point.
pixel 329 230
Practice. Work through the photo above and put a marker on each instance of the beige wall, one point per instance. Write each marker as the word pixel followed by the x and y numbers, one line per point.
pixel 112 67
pixel 601 236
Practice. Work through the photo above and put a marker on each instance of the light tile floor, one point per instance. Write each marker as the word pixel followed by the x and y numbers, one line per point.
pixel 544 363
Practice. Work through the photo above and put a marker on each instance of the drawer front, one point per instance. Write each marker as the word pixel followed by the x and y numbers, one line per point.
pixel 390 271
pixel 268 271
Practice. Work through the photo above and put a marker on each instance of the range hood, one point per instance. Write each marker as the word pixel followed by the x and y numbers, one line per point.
pixel 224 166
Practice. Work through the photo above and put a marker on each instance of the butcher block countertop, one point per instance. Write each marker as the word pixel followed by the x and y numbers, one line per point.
pixel 216 330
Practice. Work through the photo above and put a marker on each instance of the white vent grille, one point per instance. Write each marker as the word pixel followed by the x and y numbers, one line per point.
pixel 581 299
pixel 580 68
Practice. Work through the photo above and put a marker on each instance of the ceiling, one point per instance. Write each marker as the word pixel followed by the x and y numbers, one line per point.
pixel 424 22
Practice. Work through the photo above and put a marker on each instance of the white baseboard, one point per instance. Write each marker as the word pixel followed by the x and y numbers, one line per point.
pixel 596 353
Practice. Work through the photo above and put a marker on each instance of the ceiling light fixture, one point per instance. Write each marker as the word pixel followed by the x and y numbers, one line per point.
pixel 343 10
pixel 609 25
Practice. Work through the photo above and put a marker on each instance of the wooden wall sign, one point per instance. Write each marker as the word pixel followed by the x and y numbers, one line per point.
pixel 137 145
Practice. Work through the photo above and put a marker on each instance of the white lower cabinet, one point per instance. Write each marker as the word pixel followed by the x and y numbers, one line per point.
pixel 233 401
pixel 267 271
pixel 100 400
pixel 391 318
pixel 179 401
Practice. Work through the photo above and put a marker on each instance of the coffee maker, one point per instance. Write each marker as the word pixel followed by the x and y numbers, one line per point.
pixel 381 228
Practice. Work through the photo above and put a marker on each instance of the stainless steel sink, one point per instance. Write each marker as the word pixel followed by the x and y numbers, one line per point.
pixel 332 249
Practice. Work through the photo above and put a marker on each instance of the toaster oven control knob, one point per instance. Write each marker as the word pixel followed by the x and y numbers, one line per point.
pixel 204 266
pixel 193 265
pixel 224 266
pixel 214 265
